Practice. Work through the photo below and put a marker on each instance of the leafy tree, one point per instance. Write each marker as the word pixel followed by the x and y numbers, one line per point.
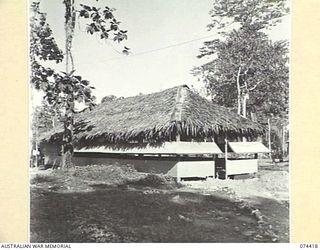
pixel 108 98
pixel 247 14
pixel 279 135
pixel 247 71
pixel 45 117
pixel 66 88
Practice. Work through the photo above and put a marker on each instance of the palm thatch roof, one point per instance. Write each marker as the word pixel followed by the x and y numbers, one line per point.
pixel 157 117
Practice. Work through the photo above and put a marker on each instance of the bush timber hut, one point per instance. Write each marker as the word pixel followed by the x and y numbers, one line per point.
pixel 175 132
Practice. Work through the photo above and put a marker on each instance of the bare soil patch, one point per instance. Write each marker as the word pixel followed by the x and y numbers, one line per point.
pixel 118 204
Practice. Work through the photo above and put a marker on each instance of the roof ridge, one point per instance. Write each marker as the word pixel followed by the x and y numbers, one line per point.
pixel 178 106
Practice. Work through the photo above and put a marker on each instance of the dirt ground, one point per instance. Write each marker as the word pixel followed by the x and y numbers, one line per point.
pixel 118 204
pixel 267 196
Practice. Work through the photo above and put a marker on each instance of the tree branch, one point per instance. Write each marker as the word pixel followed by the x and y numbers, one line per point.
pixel 256 85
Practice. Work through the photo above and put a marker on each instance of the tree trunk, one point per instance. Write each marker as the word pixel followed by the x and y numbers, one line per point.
pixel 67 142
pixel 284 152
pixel 67 146
pixel 239 92
pixel 226 157
pixel 244 105
pixel 269 136
pixel 37 149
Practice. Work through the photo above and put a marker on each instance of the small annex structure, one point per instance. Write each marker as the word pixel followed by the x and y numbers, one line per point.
pixel 175 131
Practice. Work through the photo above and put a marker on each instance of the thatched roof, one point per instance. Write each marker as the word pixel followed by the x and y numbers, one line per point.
pixel 157 117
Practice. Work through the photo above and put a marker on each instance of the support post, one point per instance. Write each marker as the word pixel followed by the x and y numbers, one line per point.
pixel 178 176
pixel 226 156
pixel 178 137
pixel 214 157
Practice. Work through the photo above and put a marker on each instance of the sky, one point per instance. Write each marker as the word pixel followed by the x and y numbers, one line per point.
pixel 164 37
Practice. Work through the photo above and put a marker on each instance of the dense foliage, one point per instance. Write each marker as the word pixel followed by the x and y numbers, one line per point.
pixel 247 65
pixel 64 89
pixel 246 70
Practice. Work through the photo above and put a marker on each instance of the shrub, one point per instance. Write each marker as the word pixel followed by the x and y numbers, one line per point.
pixel 41 179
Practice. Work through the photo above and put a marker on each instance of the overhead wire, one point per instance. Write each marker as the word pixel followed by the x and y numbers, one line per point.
pixel 152 50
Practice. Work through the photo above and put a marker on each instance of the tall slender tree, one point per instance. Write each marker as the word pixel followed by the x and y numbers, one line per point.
pixel 244 66
pixel 248 72
pixel 66 88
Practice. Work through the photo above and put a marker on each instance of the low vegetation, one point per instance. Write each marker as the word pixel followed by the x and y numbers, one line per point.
pixel 83 179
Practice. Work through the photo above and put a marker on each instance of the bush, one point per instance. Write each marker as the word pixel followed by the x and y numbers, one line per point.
pixel 41 179
pixel 151 180
pixel 155 181
pixel 108 174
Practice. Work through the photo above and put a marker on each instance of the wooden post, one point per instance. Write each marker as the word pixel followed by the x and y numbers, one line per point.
pixel 214 157
pixel 178 137
pixel 178 175
pixel 213 163
pixel 226 156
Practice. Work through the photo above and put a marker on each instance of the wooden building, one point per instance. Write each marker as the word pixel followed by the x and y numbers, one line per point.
pixel 174 131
